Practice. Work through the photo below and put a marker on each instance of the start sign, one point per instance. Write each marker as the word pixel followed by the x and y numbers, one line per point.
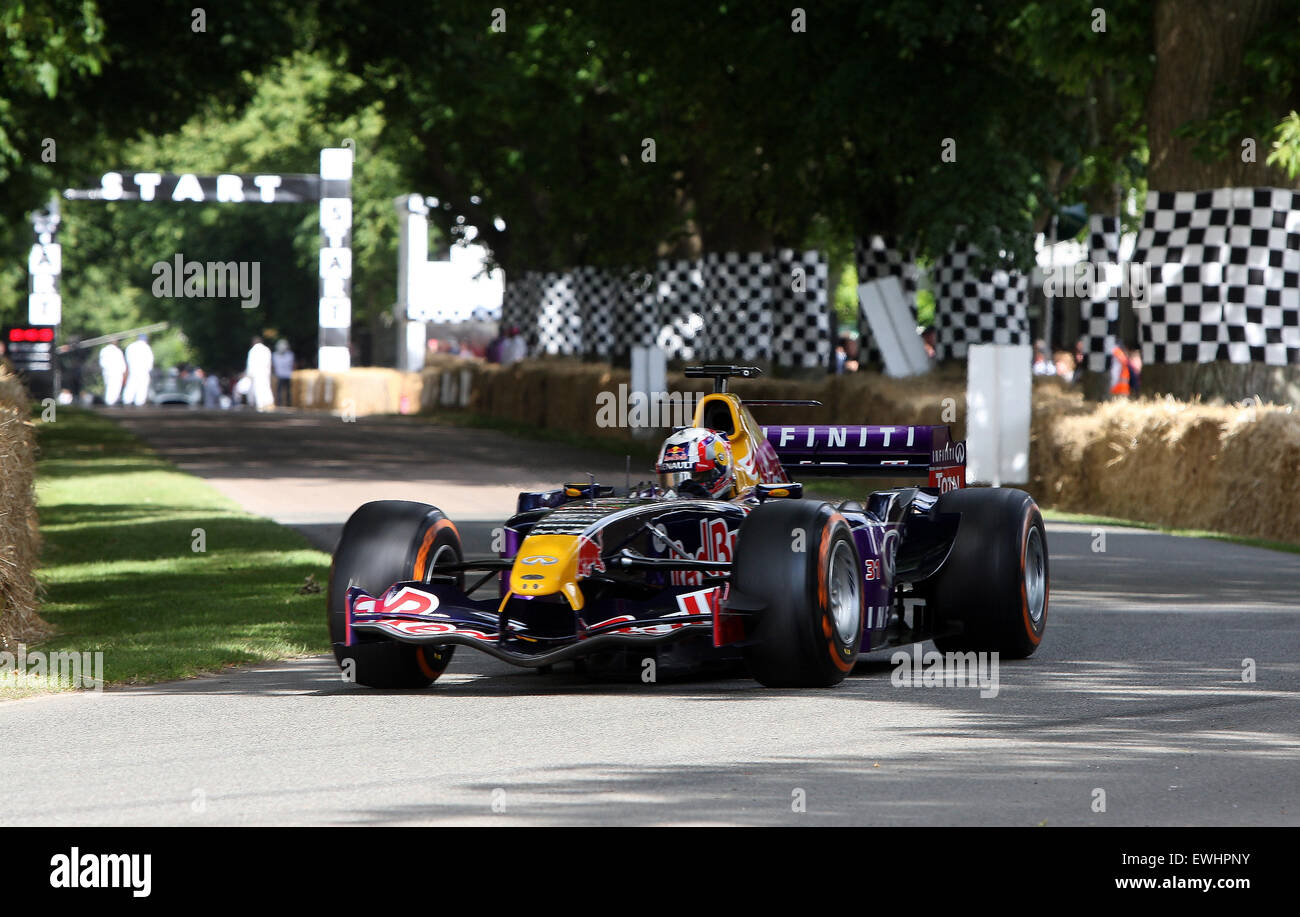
pixel 332 188
pixel 221 189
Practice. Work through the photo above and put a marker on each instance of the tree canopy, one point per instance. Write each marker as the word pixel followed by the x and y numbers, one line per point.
pixel 611 134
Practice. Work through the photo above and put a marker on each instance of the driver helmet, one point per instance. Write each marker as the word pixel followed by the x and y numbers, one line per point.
pixel 697 462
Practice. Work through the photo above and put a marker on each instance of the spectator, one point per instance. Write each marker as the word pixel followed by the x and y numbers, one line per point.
pixel 1119 372
pixel 1042 365
pixel 282 362
pixel 931 344
pixel 139 365
pixel 258 371
pixel 1065 366
pixel 1135 371
pixel 494 348
pixel 242 391
pixel 515 348
pixel 212 391
pixel 112 366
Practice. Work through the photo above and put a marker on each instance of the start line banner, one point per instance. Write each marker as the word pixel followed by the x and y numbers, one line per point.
pixel 332 189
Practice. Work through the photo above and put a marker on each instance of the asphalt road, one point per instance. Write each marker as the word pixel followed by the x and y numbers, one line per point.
pixel 1137 692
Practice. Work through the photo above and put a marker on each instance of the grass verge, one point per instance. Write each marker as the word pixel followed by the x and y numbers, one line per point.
pixel 1053 515
pixel 124 574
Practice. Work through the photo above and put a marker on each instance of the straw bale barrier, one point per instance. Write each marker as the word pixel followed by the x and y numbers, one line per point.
pixel 19 532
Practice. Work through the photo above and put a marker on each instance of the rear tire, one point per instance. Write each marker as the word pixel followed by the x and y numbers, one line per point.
pixel 995 582
pixel 386 542
pixel 800 559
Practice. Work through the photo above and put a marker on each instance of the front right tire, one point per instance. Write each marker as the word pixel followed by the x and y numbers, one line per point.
pixel 799 558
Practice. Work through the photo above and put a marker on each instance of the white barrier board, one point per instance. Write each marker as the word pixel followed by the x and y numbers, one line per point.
pixel 999 391
pixel 893 327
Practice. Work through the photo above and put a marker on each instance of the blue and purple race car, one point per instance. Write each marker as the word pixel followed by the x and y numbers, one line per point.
pixel 721 560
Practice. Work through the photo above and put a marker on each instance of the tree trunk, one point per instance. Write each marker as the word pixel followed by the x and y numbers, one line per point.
pixel 1199 51
pixel 1232 382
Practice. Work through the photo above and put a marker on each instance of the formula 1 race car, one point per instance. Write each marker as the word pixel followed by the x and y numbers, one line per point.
pixel 721 559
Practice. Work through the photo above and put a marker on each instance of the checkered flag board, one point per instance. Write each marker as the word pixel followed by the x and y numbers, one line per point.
pixel 1225 276
pixel 520 305
pixel 738 297
pixel 559 322
pixel 800 321
pixel 976 306
pixel 512 302
pixel 596 290
pixel 877 257
pixel 1100 310
pixel 679 288
pixel 636 321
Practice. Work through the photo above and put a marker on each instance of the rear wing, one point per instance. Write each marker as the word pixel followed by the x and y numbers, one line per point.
pixel 869 451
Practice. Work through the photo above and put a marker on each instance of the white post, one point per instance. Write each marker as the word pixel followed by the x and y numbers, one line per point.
pixel 412 253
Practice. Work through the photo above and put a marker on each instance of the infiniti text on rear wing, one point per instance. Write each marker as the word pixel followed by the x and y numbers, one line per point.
pixel 869 451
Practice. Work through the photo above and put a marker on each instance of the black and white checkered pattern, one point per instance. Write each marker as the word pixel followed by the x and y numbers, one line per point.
pixel 679 287
pixel 512 302
pixel 596 291
pixel 636 322
pixel 520 305
pixel 738 296
pixel 976 306
pixel 877 257
pixel 559 320
pixel 801 325
pixel 726 306
pixel 1224 267
pixel 1100 309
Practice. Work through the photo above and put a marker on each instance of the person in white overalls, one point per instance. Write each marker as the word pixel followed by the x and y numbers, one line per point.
pixel 258 370
pixel 112 366
pixel 139 364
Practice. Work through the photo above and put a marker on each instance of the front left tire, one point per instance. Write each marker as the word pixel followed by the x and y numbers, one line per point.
pixel 386 542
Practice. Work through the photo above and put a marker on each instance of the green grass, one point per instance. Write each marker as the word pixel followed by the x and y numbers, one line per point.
pixel 121 574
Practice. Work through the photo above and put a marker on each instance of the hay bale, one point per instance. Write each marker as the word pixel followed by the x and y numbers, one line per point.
pixel 1175 463
pixel 359 391
pixel 19 525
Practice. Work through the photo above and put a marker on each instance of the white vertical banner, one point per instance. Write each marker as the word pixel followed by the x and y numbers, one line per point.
pixel 335 324
pixel 999 397
pixel 44 266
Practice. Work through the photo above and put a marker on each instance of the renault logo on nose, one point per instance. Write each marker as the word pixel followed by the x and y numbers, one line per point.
pixel 538 559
